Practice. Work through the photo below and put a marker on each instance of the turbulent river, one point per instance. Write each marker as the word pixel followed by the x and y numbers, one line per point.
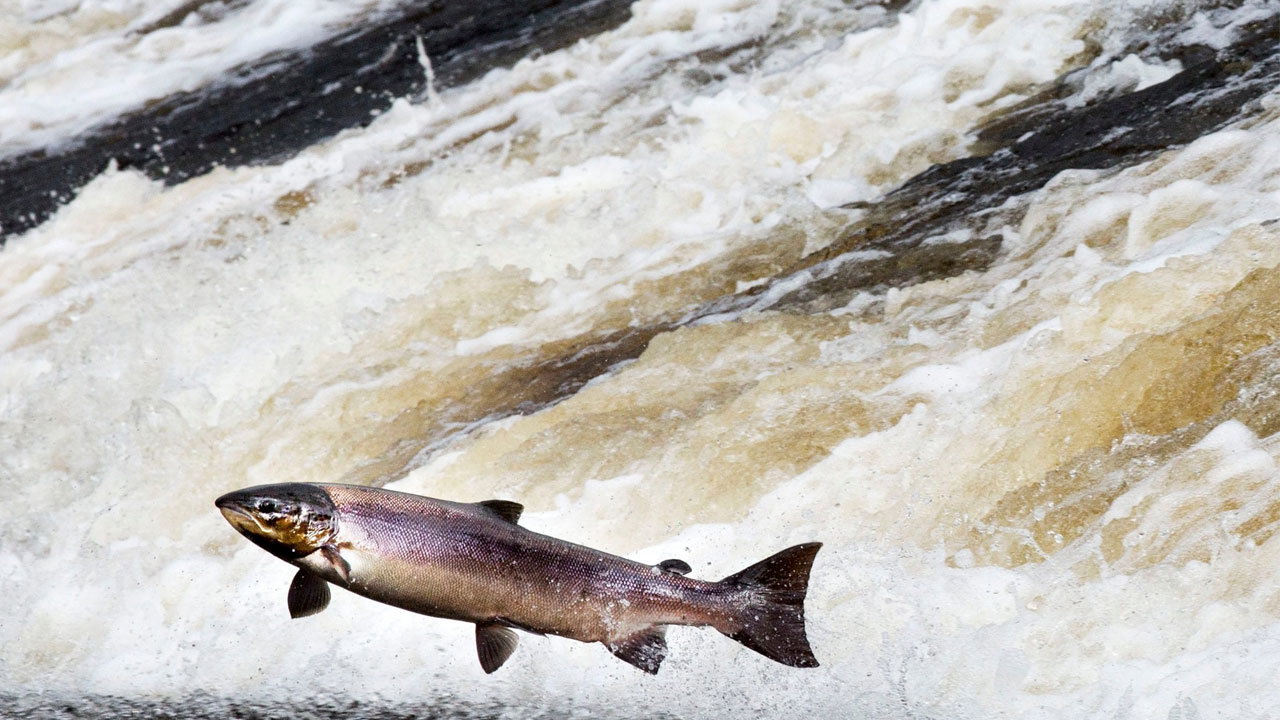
pixel 982 294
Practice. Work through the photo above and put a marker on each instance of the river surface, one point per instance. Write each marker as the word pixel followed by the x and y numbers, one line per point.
pixel 982 294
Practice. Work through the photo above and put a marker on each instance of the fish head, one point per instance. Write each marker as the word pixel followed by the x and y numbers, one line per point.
pixel 288 520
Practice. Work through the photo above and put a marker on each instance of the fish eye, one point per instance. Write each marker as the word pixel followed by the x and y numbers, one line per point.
pixel 267 506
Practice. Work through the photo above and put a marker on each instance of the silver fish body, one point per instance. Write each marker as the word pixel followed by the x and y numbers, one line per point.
pixel 474 563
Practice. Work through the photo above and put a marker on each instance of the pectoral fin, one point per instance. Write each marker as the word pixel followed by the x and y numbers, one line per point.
pixel 494 643
pixel 308 595
pixel 645 649
pixel 339 564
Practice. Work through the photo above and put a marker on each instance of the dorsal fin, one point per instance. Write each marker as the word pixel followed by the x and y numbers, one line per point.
pixel 679 567
pixel 494 644
pixel 645 649
pixel 505 509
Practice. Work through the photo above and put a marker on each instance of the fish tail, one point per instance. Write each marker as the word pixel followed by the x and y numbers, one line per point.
pixel 771 622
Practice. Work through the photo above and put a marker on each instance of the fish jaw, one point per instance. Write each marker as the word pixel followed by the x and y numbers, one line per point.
pixel 239 518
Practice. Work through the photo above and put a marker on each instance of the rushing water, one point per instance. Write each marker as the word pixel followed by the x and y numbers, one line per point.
pixel 984 295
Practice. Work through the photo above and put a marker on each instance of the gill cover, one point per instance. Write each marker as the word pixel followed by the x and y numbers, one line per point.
pixel 288 520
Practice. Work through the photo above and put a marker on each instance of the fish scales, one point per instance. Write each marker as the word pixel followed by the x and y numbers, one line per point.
pixel 481 567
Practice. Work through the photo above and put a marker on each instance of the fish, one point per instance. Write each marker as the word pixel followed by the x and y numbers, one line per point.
pixel 475 563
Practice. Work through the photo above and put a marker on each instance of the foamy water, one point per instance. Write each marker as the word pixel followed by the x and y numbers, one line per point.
pixel 1047 486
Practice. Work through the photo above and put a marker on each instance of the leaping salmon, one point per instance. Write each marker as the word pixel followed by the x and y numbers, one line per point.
pixel 473 562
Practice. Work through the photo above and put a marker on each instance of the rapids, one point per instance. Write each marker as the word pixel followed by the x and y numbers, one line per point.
pixel 982 294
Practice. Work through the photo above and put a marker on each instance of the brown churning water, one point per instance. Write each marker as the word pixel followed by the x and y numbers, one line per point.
pixel 473 562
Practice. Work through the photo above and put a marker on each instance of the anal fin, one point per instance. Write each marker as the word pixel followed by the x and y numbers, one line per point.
pixel 308 595
pixel 645 649
pixel 494 644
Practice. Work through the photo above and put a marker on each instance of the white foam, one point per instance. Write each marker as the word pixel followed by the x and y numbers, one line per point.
pixel 1128 74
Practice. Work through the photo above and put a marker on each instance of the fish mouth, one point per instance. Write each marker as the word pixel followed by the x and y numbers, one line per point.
pixel 239 518
pixel 237 514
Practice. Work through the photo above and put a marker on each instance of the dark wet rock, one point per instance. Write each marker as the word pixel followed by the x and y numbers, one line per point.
pixel 289 100
pixel 1030 148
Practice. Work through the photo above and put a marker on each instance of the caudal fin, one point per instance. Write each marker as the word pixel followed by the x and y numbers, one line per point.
pixel 772 622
